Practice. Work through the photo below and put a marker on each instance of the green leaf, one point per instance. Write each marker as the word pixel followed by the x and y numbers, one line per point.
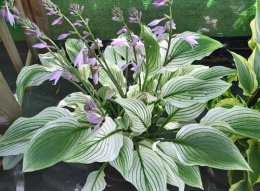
pixel 254 60
pixel 10 161
pixel 185 114
pixel 138 112
pixel 257 22
pixel 243 121
pixel 112 57
pixel 74 100
pixel 124 51
pixel 216 72
pixel 33 75
pixel 153 63
pixel 16 138
pixel 73 47
pixel 253 159
pixel 95 181
pixel 85 72
pixel 105 80
pixel 235 176
pixel 247 77
pixel 103 146
pixel 242 185
pixel 189 174
pixel 123 122
pixel 48 59
pixel 182 54
pixel 124 160
pixel 202 145
pixel 52 143
pixel 184 91
pixel 147 172
pixel 228 103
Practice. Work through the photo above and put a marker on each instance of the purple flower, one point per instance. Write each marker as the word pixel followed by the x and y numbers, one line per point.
pixel 159 3
pixel 122 41
pixel 70 77
pixel 138 67
pixel 156 22
pixel 99 43
pixel 190 38
pixel 97 126
pixel 7 15
pixel 135 16
pixel 56 76
pixel 62 36
pixel 93 118
pixel 38 33
pixel 78 24
pixel 90 61
pixel 159 91
pixel 139 45
pixel 82 8
pixel 57 21
pixel 75 9
pixel 122 30
pixel 111 95
pixel 135 40
pixel 3 12
pixel 117 14
pixel 95 76
pixel 41 46
pixel 79 59
pixel 159 30
pixel 167 25
pixel 124 66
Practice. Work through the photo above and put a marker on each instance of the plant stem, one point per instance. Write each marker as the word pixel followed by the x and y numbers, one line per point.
pixel 169 44
pixel 78 86
pixel 254 98
pixel 104 60
pixel 165 123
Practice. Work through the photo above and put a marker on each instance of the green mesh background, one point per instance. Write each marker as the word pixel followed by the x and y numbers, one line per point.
pixel 209 17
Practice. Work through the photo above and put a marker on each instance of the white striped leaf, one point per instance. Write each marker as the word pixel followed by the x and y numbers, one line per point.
pixel 103 146
pixel 24 128
pixel 33 75
pixel 124 160
pixel 52 143
pixel 216 72
pixel 105 80
pixel 254 60
pixel 123 122
pixel 202 145
pixel 182 54
pixel 95 181
pixel 10 161
pixel 170 167
pixel 147 172
pixel 138 112
pixel 124 51
pixel 177 125
pixel 184 91
pixel 104 92
pixel 133 90
pixel 153 63
pixel 76 99
pixel 144 96
pixel 189 174
pixel 185 114
pixel 73 47
pixel 112 57
pixel 242 120
pixel 246 76
pixel 14 148
pixel 49 59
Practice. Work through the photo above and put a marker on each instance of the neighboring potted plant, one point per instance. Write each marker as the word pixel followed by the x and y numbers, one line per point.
pixel 119 124
pixel 233 116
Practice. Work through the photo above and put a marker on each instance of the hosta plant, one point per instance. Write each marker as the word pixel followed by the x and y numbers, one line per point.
pixel 239 116
pixel 131 94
